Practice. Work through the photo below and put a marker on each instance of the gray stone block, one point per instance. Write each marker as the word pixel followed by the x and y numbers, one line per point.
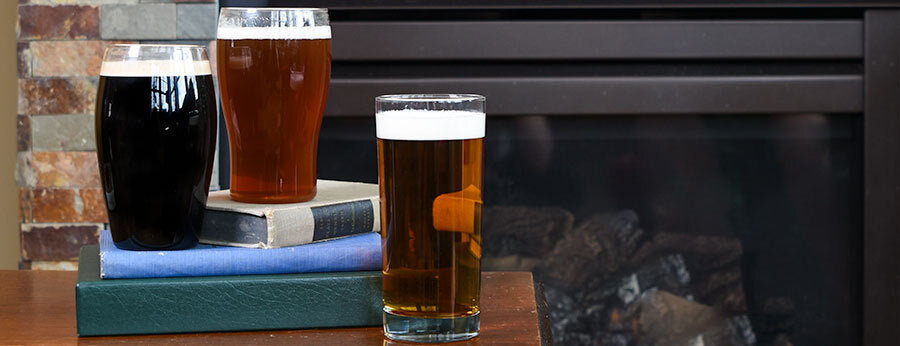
pixel 197 21
pixel 25 176
pixel 80 2
pixel 138 22
pixel 204 43
pixel 63 132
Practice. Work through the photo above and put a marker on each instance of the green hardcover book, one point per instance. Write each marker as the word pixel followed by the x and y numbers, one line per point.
pixel 222 303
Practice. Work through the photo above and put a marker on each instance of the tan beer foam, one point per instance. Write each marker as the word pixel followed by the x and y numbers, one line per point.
pixel 151 68
pixel 420 125
pixel 278 33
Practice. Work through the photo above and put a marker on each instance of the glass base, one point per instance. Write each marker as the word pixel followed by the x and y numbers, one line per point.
pixel 417 329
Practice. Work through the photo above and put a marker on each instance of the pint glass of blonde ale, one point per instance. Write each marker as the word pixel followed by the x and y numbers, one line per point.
pixel 430 169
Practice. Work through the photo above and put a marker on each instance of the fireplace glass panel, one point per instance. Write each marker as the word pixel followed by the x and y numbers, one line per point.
pixel 659 230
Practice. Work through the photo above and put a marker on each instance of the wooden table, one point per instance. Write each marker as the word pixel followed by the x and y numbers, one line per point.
pixel 38 307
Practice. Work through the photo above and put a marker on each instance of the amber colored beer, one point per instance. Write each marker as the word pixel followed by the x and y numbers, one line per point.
pixel 431 205
pixel 273 96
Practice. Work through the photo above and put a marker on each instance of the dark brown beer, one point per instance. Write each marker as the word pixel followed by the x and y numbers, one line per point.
pixel 155 124
pixel 431 201
pixel 273 95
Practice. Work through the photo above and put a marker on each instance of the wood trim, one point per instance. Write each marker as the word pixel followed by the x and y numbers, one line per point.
pixel 557 4
pixel 543 312
pixel 881 238
pixel 556 40
pixel 619 95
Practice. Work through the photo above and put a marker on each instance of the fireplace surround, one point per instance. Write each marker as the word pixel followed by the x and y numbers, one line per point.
pixel 672 172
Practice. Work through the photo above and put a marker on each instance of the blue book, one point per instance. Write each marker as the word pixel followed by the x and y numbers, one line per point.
pixel 354 253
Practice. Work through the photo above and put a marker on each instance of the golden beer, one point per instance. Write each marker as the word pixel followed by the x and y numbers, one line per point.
pixel 431 271
pixel 431 180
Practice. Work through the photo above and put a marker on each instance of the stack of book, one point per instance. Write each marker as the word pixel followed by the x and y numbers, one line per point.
pixel 279 266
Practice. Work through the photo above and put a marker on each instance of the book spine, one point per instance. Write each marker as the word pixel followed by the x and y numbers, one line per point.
pixel 226 304
pixel 302 226
pixel 341 220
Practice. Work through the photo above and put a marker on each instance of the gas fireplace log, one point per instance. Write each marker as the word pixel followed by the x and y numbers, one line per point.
pixel 595 249
pixel 662 318
pixel 601 271
pixel 702 252
pixel 598 313
pixel 524 231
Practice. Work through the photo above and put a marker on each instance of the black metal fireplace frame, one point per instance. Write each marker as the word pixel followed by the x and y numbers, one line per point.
pixel 713 57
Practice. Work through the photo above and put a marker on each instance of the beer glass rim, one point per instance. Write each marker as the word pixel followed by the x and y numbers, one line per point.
pixel 144 51
pixel 134 60
pixel 273 23
pixel 429 117
pixel 443 98
pixel 158 45
pixel 293 9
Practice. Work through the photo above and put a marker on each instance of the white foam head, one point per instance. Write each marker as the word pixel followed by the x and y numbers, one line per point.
pixel 151 68
pixel 275 33
pixel 423 125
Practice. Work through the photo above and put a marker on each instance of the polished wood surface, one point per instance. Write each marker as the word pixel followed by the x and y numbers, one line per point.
pixel 38 307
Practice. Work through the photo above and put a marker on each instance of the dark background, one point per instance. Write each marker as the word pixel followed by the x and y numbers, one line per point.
pixel 765 121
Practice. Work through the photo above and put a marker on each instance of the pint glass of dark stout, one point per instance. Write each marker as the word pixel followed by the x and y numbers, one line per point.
pixel 430 169
pixel 274 68
pixel 156 134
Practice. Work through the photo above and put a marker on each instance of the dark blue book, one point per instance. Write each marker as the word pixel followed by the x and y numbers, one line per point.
pixel 354 253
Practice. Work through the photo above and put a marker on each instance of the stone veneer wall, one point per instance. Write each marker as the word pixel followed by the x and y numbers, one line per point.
pixel 60 47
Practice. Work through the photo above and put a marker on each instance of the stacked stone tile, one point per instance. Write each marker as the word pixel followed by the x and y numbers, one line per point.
pixel 61 42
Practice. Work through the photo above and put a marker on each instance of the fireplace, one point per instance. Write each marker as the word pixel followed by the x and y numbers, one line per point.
pixel 671 172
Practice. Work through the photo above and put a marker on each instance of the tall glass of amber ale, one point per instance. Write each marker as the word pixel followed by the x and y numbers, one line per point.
pixel 274 66
pixel 430 170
